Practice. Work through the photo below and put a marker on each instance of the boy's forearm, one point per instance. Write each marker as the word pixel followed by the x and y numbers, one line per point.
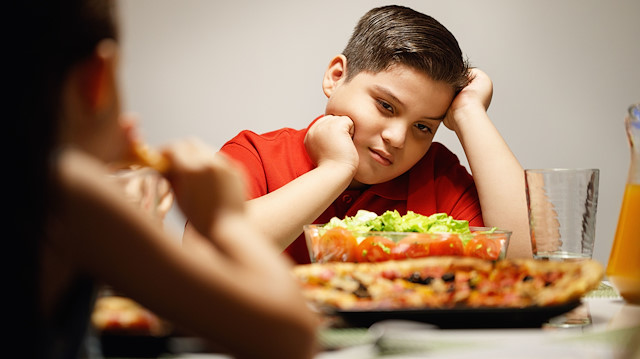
pixel 498 176
pixel 282 213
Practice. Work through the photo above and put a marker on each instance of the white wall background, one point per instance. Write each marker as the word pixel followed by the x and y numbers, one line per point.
pixel 564 73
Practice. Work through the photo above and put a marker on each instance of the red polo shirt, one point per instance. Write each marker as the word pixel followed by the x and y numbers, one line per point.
pixel 438 183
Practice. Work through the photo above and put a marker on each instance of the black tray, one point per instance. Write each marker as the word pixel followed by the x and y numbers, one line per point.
pixel 133 346
pixel 462 317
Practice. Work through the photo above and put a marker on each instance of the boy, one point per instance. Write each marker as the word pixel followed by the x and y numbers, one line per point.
pixel 400 76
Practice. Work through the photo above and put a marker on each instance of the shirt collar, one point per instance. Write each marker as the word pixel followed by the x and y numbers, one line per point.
pixel 396 189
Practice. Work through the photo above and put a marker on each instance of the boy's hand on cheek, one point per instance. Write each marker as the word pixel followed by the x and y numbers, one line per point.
pixel 330 140
pixel 476 96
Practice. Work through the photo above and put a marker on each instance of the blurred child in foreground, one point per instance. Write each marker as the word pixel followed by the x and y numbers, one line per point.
pixel 72 228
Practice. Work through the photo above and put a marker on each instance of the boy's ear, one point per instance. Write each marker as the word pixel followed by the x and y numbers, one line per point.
pixel 335 74
pixel 99 86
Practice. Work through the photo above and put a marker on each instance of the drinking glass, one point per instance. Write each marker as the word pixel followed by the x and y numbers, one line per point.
pixel 562 206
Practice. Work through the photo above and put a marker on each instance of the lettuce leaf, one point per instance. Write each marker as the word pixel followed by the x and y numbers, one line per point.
pixel 392 221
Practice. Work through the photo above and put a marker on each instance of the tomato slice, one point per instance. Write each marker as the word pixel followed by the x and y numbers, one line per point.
pixel 375 249
pixel 451 245
pixel 482 247
pixel 412 246
pixel 336 245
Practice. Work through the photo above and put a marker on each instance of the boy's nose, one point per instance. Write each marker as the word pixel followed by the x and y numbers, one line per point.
pixel 394 133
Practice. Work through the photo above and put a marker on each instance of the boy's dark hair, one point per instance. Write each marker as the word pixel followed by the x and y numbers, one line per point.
pixel 391 35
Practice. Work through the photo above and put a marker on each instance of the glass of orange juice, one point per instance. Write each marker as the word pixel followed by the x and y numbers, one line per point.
pixel 623 269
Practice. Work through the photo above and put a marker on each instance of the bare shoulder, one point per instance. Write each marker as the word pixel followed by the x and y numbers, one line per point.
pixel 81 175
pixel 74 167
pixel 85 189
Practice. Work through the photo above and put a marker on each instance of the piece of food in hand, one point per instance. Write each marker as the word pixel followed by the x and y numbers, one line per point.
pixel 144 155
pixel 121 315
pixel 139 154
pixel 446 282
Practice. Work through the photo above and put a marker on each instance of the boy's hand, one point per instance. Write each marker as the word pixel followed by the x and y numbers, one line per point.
pixel 330 139
pixel 476 96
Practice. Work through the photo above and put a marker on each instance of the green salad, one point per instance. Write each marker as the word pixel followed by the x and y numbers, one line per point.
pixel 392 221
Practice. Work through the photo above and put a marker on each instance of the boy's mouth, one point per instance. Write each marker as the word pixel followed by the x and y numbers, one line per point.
pixel 381 157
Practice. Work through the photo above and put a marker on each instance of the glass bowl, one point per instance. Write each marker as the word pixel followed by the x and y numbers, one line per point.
pixel 341 245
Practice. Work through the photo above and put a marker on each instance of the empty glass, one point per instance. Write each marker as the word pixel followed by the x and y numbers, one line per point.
pixel 562 207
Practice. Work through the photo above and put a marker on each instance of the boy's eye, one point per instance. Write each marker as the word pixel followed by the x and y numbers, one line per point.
pixel 423 128
pixel 385 106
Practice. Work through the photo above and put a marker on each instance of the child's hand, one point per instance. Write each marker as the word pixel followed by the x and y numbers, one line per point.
pixel 476 96
pixel 205 184
pixel 330 139
pixel 147 189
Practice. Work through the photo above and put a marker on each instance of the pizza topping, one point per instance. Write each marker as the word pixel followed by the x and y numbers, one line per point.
pixel 416 278
pixel 362 292
pixel 449 277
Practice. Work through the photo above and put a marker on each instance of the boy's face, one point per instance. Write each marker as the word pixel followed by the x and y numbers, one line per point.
pixel 395 112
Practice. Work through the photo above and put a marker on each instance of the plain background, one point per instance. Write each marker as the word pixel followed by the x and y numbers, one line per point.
pixel 564 74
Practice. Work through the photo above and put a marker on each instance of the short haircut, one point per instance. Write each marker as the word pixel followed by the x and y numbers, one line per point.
pixel 390 35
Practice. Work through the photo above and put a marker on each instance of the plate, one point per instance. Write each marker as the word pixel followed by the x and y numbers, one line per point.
pixel 462 317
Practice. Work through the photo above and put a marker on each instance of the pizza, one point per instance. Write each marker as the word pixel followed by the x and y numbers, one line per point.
pixel 446 282
pixel 121 315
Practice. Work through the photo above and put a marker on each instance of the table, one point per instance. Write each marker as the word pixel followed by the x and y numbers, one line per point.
pixel 614 332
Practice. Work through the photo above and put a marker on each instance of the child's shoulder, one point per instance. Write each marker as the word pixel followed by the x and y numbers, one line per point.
pixel 283 136
pixel 271 136
pixel 438 150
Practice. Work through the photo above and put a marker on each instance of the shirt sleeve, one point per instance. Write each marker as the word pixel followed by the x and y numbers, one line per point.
pixel 242 150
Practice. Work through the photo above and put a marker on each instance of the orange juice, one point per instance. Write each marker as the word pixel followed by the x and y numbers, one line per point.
pixel 623 269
